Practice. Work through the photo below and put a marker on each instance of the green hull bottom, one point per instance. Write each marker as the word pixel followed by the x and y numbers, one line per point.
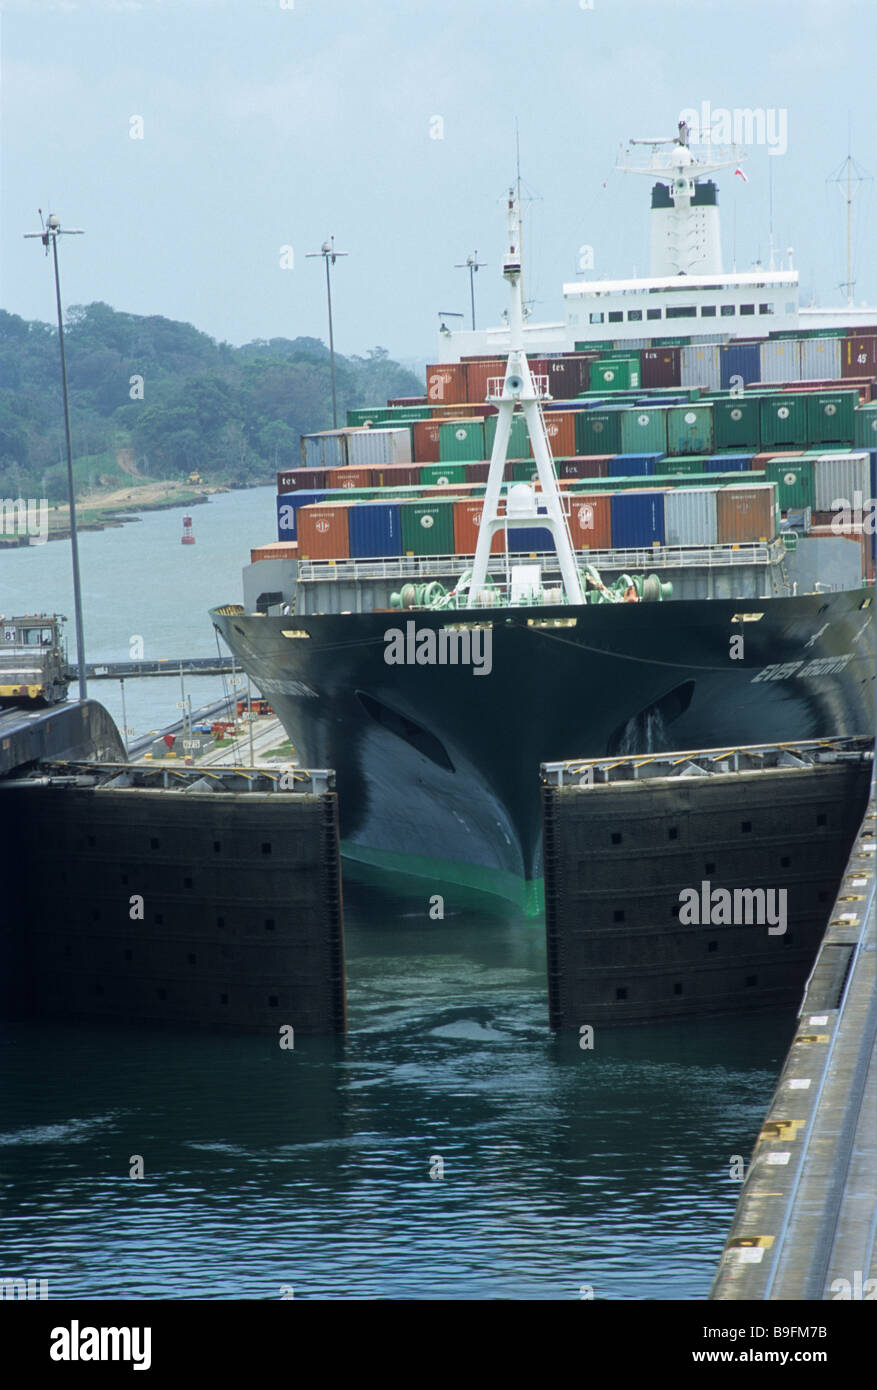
pixel 528 897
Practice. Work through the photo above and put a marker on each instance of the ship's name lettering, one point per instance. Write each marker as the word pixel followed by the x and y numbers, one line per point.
pixel 819 666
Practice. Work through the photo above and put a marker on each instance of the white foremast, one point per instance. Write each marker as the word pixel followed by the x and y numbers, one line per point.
pixel 518 386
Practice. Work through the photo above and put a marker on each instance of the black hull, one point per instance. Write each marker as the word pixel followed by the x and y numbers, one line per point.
pixel 438 766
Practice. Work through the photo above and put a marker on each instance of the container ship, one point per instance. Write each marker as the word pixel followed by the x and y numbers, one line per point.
pixel 575 546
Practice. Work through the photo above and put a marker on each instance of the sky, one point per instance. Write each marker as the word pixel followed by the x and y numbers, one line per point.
pixel 260 127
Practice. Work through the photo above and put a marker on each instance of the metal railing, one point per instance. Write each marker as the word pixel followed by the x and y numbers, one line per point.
pixel 704 761
pixel 436 566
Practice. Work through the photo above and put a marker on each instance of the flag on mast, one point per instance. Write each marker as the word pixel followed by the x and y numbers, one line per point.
pixel 742 175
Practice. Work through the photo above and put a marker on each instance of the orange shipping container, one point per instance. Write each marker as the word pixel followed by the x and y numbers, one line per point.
pixel 425 436
pixel 349 477
pixel 477 376
pixel 278 550
pixel 561 428
pixel 746 514
pixel 590 520
pixel 467 520
pixel 322 531
pixel 446 383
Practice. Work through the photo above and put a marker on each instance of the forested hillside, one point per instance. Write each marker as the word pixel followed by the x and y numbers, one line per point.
pixel 160 399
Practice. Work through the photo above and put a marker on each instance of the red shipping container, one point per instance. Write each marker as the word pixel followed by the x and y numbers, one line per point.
pixel 560 426
pixel 760 460
pixel 866 330
pixel 477 376
pixel 569 376
pixel 348 477
pixel 477 472
pixel 858 356
pixel 425 436
pixel 446 383
pixel 396 474
pixel 467 520
pixel 314 479
pixel 322 531
pixel 590 520
pixel 590 466
pixel 661 366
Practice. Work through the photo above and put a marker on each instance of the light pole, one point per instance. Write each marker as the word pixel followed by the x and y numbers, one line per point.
pixel 472 264
pixel 49 237
pixel 330 255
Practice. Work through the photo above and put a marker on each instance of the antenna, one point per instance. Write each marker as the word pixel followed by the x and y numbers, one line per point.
pixel 852 176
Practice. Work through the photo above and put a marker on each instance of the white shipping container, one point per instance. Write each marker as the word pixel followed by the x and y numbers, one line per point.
pixel 311 451
pixel 371 448
pixel 820 359
pixel 781 360
pixel 700 366
pixel 690 516
pixel 327 449
pixel 837 478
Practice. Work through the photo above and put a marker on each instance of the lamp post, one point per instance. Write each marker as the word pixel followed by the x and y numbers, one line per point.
pixel 330 255
pixel 472 264
pixel 49 237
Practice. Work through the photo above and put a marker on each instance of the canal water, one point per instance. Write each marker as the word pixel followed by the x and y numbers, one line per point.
pixel 450 1147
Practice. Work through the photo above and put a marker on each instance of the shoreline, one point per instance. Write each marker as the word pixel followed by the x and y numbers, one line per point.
pixel 104 513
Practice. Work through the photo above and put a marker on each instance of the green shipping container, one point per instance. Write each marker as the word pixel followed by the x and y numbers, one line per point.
pixel 616 354
pixel 519 439
pixel 525 471
pixel 831 417
pixel 604 345
pixel 690 429
pixel 736 423
pixel 794 481
pixel 619 374
pixel 864 427
pixel 783 418
pixel 461 441
pixel 378 415
pixel 405 414
pixel 598 432
pixel 643 430
pixel 438 474
pixel 427 528
pixel 684 465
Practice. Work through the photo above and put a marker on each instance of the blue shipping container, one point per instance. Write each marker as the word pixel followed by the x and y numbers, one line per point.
pixel 527 538
pixel 375 529
pixel 741 360
pixel 288 504
pixel 729 463
pixel 637 519
pixel 633 465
